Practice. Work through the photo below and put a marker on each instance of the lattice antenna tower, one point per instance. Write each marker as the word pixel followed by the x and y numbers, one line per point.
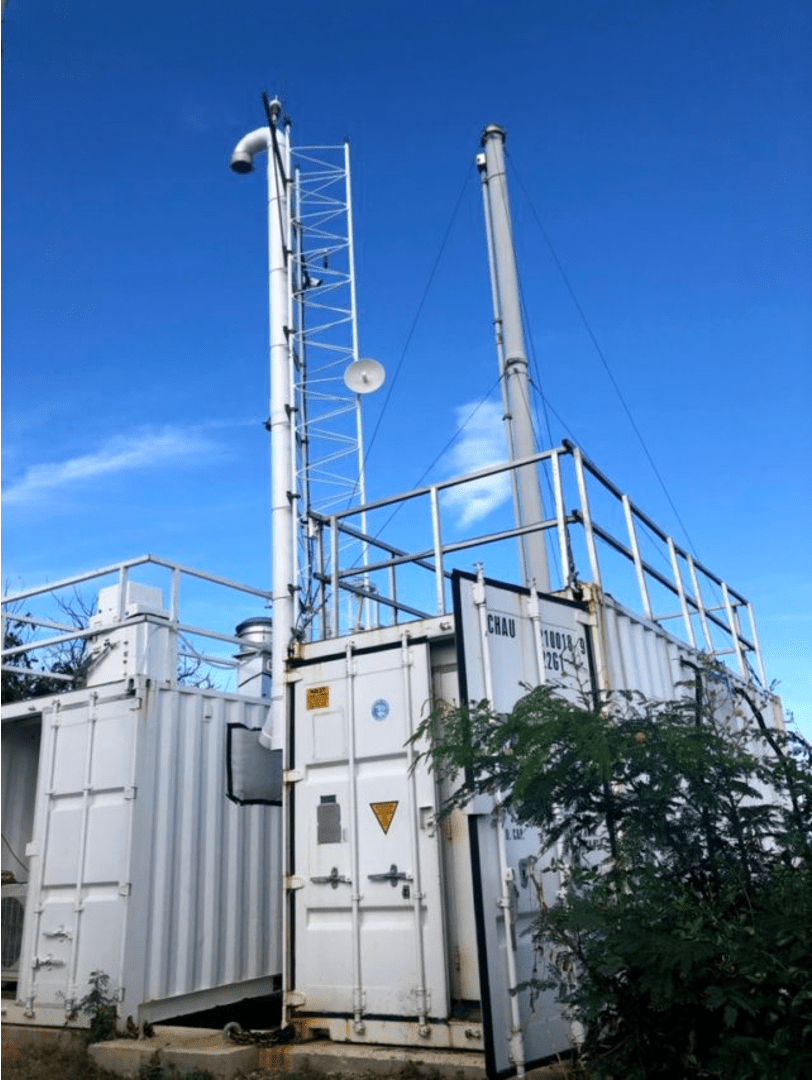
pixel 327 429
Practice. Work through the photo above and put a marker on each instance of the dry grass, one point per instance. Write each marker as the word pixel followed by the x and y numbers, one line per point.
pixel 73 1063
pixel 60 1063
pixel 50 1063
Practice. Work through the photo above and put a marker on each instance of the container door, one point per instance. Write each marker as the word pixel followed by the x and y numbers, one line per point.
pixel 509 640
pixel 368 932
pixel 80 884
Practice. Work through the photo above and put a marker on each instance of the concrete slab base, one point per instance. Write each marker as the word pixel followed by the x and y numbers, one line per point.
pixel 22 1036
pixel 183 1049
pixel 355 1059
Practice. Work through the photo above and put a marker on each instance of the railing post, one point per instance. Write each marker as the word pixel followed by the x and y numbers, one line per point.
pixel 322 584
pixel 334 573
pixel 174 603
pixel 439 583
pixel 686 615
pixel 393 592
pixel 734 631
pixel 590 539
pixel 756 647
pixel 122 592
pixel 703 618
pixel 561 526
pixel 638 564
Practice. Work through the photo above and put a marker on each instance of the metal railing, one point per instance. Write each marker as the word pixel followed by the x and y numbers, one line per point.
pixel 186 588
pixel 710 615
pixel 396 583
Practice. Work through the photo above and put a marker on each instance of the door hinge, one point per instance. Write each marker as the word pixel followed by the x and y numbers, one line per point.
pixel 294 882
pixel 294 998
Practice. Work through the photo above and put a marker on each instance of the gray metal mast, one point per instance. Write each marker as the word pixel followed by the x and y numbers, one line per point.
pixel 511 353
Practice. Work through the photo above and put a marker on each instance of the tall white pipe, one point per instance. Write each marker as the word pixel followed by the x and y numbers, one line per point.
pixel 283 511
pixel 513 356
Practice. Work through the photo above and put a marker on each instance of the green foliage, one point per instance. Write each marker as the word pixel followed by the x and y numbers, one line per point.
pixel 152 1069
pixel 100 1007
pixel 685 832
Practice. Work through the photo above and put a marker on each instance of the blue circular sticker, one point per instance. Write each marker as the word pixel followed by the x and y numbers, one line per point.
pixel 380 709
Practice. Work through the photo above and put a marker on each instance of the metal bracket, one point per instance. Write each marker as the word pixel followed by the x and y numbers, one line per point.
pixel 294 998
pixel 333 878
pixel 393 876
pixel 294 882
pixel 479 586
pixel 428 821
pixel 292 776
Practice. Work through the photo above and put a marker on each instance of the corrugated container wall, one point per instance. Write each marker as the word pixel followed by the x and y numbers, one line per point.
pixel 140 866
pixel 211 917
pixel 634 654
pixel 639 655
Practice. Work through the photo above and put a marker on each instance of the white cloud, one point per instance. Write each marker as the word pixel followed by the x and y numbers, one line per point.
pixel 141 450
pixel 481 443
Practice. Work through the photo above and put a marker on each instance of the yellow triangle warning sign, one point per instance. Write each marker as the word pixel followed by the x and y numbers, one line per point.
pixel 384 812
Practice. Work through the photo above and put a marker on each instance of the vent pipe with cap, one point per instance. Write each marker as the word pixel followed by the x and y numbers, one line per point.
pixel 275 142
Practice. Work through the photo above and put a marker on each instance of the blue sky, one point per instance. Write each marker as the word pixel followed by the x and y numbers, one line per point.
pixel 665 148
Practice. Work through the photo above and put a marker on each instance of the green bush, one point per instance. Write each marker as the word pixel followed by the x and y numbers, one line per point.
pixel 100 1007
pixel 683 939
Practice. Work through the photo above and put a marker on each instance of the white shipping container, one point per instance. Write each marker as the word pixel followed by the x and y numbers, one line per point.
pixel 140 866
pixel 402 925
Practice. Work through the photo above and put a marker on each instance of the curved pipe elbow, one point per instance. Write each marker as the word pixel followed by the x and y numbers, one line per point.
pixel 242 157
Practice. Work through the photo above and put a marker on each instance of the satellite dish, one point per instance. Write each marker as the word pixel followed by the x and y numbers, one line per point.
pixel 364 376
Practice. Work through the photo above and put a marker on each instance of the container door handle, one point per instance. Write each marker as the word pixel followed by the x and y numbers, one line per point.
pixel 61 933
pixel 393 876
pixel 334 879
pixel 47 961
